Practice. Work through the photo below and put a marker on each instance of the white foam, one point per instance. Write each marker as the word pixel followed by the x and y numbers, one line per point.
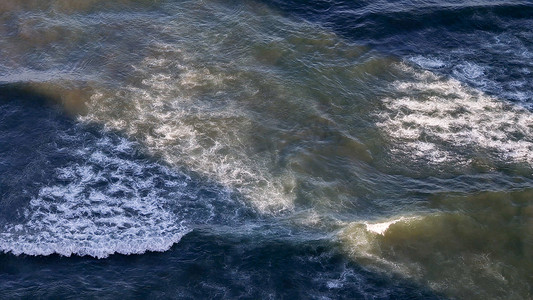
pixel 361 241
pixel 380 228
pixel 427 63
pixel 435 118
pixel 468 71
pixel 102 206
pixel 169 113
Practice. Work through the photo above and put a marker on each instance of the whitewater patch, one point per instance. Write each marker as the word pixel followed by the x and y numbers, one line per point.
pixel 441 120
pixel 106 201
pixel 186 113
pixel 380 228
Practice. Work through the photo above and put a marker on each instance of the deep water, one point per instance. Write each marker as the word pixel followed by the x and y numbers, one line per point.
pixel 266 149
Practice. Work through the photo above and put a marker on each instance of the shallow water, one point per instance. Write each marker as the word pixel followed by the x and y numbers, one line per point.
pixel 265 149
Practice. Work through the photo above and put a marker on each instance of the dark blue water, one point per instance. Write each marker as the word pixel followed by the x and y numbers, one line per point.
pixel 266 149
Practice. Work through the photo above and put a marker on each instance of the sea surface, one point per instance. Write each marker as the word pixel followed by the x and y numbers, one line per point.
pixel 276 149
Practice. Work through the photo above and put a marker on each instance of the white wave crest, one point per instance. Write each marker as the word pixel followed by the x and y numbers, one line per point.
pixel 380 228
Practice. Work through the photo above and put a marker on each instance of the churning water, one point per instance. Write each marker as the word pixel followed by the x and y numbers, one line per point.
pixel 266 149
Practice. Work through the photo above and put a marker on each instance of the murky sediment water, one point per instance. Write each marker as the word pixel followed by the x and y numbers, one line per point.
pixel 259 149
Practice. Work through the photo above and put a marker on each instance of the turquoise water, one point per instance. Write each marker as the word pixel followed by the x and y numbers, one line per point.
pixel 265 149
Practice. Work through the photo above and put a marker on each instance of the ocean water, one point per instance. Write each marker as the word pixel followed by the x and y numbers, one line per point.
pixel 218 149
